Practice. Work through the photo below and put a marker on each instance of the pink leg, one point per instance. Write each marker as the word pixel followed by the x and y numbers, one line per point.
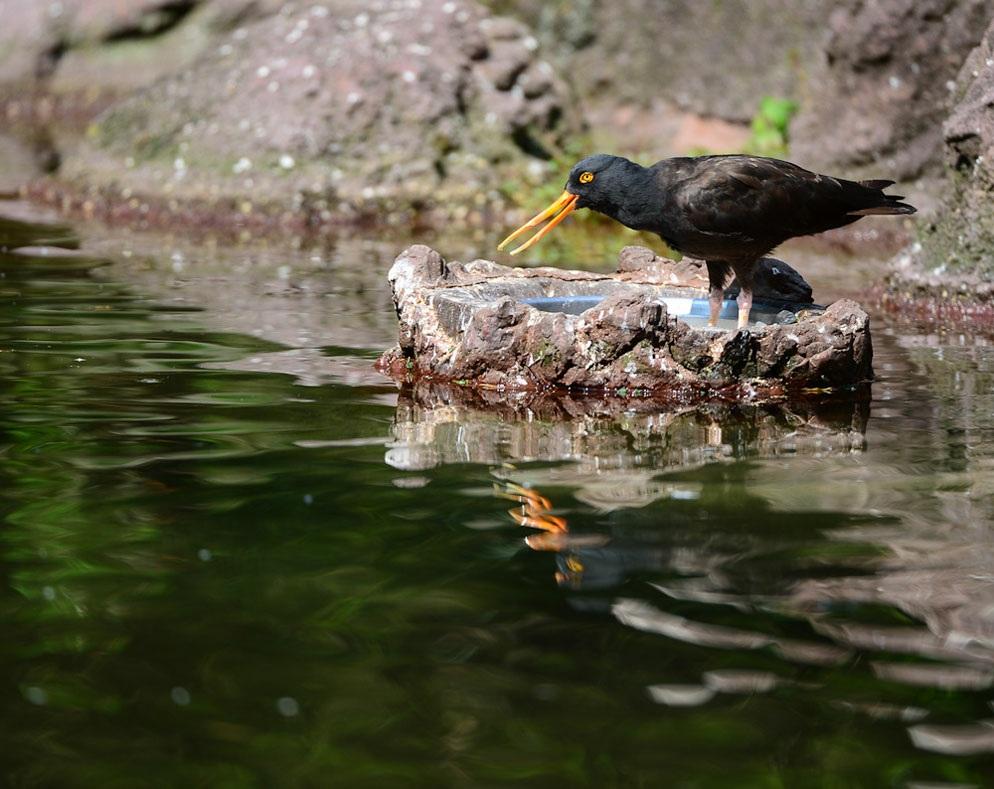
pixel 745 306
pixel 743 274
pixel 717 275
pixel 714 302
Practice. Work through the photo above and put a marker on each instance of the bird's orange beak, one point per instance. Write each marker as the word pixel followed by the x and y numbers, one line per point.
pixel 559 210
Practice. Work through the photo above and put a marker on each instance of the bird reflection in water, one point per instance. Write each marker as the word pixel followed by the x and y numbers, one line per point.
pixel 552 532
pixel 861 640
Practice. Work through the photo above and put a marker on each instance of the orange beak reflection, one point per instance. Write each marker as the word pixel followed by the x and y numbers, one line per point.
pixel 559 210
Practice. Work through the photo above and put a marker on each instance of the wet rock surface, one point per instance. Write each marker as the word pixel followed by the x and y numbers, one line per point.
pixel 339 111
pixel 470 323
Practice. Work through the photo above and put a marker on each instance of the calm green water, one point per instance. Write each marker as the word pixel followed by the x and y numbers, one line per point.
pixel 232 555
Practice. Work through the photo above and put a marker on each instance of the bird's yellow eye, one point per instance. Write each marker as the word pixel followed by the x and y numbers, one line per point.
pixel 586 178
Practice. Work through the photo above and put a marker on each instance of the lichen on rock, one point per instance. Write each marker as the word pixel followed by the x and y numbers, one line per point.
pixel 477 324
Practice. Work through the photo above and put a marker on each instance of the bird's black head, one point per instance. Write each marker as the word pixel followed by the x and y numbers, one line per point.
pixel 600 182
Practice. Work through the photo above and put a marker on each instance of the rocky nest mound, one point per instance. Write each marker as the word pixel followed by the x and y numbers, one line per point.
pixel 638 332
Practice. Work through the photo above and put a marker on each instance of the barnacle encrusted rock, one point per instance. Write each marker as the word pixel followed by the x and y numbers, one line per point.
pixel 478 324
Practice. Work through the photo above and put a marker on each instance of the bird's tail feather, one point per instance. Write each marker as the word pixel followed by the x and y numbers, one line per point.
pixel 887 204
pixel 888 208
pixel 876 184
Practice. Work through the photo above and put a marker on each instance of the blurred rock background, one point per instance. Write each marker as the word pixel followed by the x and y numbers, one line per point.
pixel 335 112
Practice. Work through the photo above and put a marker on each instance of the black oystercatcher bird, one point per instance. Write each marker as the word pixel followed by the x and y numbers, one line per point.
pixel 727 210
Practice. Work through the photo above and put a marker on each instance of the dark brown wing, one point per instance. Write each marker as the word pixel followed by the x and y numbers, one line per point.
pixel 765 201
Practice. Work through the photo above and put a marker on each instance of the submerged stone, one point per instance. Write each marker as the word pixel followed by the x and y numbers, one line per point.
pixel 638 332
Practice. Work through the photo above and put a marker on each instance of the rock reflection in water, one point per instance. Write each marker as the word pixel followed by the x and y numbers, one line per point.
pixel 709 585
pixel 617 445
pixel 617 448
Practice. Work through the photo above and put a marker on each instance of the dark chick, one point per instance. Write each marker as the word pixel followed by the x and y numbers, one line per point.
pixel 727 210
